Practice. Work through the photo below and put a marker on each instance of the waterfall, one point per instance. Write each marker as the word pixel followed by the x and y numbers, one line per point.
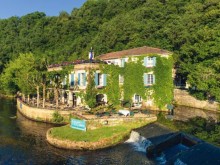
pixel 139 142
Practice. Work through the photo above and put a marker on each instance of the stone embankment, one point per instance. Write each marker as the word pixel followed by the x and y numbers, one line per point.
pixel 40 114
pixel 182 97
pixel 81 145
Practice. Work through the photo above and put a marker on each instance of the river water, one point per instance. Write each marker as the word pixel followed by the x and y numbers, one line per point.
pixel 22 141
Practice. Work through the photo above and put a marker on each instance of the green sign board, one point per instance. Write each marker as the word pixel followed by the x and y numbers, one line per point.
pixel 78 124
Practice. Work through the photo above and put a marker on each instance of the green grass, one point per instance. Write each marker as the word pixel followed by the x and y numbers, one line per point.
pixel 105 132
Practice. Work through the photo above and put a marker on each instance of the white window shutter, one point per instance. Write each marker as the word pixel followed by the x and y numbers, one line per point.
pixel 154 61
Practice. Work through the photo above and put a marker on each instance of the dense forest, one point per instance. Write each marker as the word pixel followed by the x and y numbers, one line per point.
pixel 189 28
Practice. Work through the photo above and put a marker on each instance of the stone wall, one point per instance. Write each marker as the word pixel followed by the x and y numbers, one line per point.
pixel 96 123
pixel 40 114
pixel 182 97
pixel 86 66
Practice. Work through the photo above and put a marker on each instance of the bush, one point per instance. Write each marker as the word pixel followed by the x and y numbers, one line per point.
pixel 200 95
pixel 57 117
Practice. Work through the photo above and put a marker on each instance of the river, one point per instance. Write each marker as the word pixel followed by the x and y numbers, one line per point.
pixel 22 141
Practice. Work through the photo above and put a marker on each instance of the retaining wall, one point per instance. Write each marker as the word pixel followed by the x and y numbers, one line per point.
pixel 40 114
pixel 182 97
pixel 96 123
pixel 184 113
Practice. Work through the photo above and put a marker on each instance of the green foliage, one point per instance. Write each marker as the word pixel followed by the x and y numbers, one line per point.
pixel 163 87
pixel 91 92
pixel 202 128
pixel 133 73
pixel 18 75
pixel 119 132
pixel 112 90
pixel 188 28
pixel 206 85
pixel 57 117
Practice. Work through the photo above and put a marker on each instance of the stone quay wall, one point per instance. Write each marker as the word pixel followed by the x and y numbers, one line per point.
pixel 99 122
pixel 40 114
pixel 182 97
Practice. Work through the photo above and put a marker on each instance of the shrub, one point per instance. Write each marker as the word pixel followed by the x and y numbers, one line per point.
pixel 57 117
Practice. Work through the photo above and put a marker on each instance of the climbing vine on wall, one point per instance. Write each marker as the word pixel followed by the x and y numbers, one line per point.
pixel 133 73
pixel 91 92
pixel 112 90
pixel 163 87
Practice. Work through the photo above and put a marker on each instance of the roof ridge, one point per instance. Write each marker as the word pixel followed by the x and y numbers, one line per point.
pixel 134 51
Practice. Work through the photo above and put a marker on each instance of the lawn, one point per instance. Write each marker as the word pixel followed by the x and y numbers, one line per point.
pixel 118 132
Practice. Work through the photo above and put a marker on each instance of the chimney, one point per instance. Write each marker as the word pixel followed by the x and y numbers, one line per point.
pixel 91 54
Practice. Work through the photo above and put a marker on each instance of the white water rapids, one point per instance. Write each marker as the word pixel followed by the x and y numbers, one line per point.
pixel 139 142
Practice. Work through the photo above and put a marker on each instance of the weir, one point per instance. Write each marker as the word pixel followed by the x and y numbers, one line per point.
pixel 177 148
pixel 139 142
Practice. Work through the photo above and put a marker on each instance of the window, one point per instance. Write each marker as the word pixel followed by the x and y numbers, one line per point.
pixel 149 61
pixel 100 79
pixel 82 79
pixel 122 62
pixel 71 79
pixel 137 98
pixel 149 79
pixel 121 79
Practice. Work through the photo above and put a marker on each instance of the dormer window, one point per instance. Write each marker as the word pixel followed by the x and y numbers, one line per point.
pixel 149 61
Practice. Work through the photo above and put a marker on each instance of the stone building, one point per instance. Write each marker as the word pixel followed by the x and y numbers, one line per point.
pixel 77 80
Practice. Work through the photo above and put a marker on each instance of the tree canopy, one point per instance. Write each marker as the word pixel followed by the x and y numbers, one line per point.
pixel 189 28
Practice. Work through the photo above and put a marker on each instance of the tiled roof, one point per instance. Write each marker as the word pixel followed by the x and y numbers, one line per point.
pixel 75 63
pixel 135 51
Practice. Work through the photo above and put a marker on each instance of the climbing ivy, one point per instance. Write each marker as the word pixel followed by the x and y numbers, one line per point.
pixel 133 73
pixel 163 87
pixel 112 90
pixel 91 92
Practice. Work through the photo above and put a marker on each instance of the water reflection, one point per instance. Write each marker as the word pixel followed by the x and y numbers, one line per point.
pixel 22 141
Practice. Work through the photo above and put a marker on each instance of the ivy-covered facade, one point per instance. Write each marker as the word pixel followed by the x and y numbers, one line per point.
pixel 141 77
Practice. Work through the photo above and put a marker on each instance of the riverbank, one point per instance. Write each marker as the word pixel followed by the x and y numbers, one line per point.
pixel 43 114
pixel 207 130
pixel 182 97
pixel 103 137
pixel 7 96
